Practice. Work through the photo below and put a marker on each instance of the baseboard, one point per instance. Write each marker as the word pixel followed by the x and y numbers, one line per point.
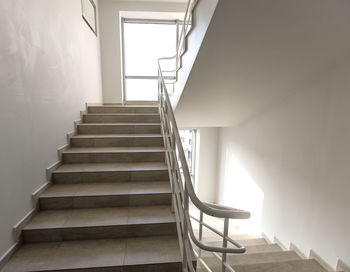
pixel 8 254
pixel 52 168
pixel 20 225
pixel 297 251
pixel 61 150
pixel 37 192
pixel 76 123
pixel 279 243
pixel 70 135
pixel 341 266
pixel 263 235
pixel 323 263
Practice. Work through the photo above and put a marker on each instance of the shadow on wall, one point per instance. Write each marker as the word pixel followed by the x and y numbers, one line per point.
pixel 242 192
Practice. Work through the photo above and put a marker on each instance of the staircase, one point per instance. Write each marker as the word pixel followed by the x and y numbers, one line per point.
pixel 260 256
pixel 108 208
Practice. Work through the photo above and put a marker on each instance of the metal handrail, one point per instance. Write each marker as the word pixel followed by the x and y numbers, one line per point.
pixel 180 178
pixel 181 43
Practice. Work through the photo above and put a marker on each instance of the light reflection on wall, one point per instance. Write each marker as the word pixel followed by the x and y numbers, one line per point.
pixel 242 192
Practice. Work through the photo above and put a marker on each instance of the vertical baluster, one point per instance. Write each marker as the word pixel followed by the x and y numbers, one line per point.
pixel 200 232
pixel 224 244
pixel 185 231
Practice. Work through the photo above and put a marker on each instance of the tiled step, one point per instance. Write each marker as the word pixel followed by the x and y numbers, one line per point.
pixel 117 140
pixel 101 195
pixel 252 258
pixel 159 253
pixel 263 248
pixel 123 109
pixel 121 118
pixel 287 266
pixel 120 128
pixel 252 242
pixel 110 172
pixel 104 223
pixel 113 154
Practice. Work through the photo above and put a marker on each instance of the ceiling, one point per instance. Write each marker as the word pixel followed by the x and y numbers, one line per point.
pixel 257 52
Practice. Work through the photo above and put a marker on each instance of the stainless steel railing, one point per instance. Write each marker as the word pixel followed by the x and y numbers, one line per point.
pixel 180 179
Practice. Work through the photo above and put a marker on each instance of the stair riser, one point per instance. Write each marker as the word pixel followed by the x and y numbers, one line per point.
pixel 114 157
pixel 102 232
pixel 121 119
pixel 139 110
pixel 86 202
pixel 109 176
pixel 118 129
pixel 161 267
pixel 117 142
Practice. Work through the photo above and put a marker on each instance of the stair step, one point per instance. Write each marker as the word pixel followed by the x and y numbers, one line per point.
pixel 110 172
pixel 252 258
pixel 123 109
pixel 104 223
pixel 100 195
pixel 252 242
pixel 159 253
pixel 120 128
pixel 113 154
pixel 286 266
pixel 117 140
pixel 249 249
pixel 263 248
pixel 121 118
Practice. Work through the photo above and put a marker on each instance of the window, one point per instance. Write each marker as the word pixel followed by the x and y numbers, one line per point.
pixel 188 139
pixel 144 42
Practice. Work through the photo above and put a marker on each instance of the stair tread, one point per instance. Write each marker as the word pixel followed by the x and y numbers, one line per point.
pixel 123 106
pixel 253 258
pixel 102 253
pixel 102 189
pixel 309 265
pixel 251 242
pixel 101 167
pixel 119 124
pixel 117 136
pixel 74 218
pixel 114 149
pixel 123 114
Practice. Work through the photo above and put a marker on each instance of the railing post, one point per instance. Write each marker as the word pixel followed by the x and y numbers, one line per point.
pixel 200 232
pixel 185 231
pixel 224 244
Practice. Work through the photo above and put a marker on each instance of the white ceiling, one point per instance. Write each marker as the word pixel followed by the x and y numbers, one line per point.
pixel 256 52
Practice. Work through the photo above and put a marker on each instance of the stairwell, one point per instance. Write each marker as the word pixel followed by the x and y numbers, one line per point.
pixel 260 256
pixel 108 208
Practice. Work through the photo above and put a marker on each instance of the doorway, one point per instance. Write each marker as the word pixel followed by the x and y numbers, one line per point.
pixel 143 43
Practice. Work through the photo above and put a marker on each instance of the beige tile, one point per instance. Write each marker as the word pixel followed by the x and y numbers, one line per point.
pixel 48 219
pixel 150 214
pixel 161 249
pixel 288 266
pixel 92 253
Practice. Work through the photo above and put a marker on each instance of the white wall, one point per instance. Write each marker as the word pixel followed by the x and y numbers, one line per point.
pixel 202 16
pixel 256 51
pixel 297 152
pixel 206 171
pixel 206 162
pixel 49 68
pixel 110 39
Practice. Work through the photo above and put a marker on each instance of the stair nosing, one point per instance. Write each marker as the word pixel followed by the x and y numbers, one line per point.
pixel 119 124
pixel 105 195
pixel 140 150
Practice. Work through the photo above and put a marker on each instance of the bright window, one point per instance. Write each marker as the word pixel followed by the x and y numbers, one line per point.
pixel 144 42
